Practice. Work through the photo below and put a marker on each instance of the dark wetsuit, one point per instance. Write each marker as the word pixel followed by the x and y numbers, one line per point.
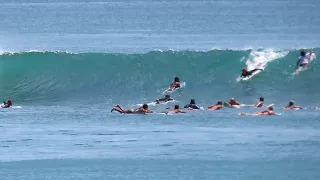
pixel 193 106
pixel 249 73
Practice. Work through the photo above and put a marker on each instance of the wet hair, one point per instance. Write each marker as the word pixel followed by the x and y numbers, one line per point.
pixel 145 106
pixel 261 99
pixel 291 103
pixel 176 79
pixel 219 102
pixel 302 53
pixel 192 101
pixel 167 96
pixel 176 106
pixel 270 108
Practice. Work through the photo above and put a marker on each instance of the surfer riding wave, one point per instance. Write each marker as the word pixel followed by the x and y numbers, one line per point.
pixel 246 73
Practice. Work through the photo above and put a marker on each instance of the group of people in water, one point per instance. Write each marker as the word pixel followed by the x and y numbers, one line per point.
pixel 232 103
pixel 302 62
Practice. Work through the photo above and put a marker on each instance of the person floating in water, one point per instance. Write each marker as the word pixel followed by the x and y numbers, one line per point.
pixel 269 111
pixel 142 110
pixel 165 99
pixel 192 105
pixel 176 109
pixel 233 103
pixel 260 103
pixel 7 104
pixel 246 73
pixel 217 106
pixel 291 105
pixel 175 84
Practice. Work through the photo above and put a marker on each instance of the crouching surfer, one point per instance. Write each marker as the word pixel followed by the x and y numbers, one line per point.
pixel 7 104
pixel 304 59
pixel 142 110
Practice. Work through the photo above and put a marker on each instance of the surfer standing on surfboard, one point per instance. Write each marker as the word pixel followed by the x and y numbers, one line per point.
pixel 303 60
pixel 7 104
pixel 246 73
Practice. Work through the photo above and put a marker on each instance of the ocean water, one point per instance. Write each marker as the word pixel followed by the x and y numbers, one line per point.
pixel 66 63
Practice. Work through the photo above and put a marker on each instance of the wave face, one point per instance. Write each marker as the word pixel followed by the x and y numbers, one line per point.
pixel 60 77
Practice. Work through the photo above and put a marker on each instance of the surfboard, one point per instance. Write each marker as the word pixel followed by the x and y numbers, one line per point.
pixel 244 114
pixel 155 103
pixel 167 91
pixel 311 56
pixel 252 105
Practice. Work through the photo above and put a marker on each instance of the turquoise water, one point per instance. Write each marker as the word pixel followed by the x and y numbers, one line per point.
pixel 65 64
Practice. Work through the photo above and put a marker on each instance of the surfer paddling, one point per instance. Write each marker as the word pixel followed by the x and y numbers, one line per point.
pixel 216 106
pixel 269 111
pixel 192 105
pixel 176 109
pixel 233 103
pixel 166 98
pixel 142 110
pixel 175 84
pixel 246 73
pixel 291 105
pixel 259 103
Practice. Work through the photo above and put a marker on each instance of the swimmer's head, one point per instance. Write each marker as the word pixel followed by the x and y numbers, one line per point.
pixel 244 70
pixel 302 53
pixel 192 101
pixel 261 99
pixel 291 103
pixel 176 79
pixel 176 107
pixel 145 106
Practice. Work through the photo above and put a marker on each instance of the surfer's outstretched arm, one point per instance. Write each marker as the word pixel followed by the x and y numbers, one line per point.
pixel 255 70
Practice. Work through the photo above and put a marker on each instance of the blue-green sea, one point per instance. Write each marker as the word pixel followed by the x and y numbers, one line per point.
pixel 66 63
